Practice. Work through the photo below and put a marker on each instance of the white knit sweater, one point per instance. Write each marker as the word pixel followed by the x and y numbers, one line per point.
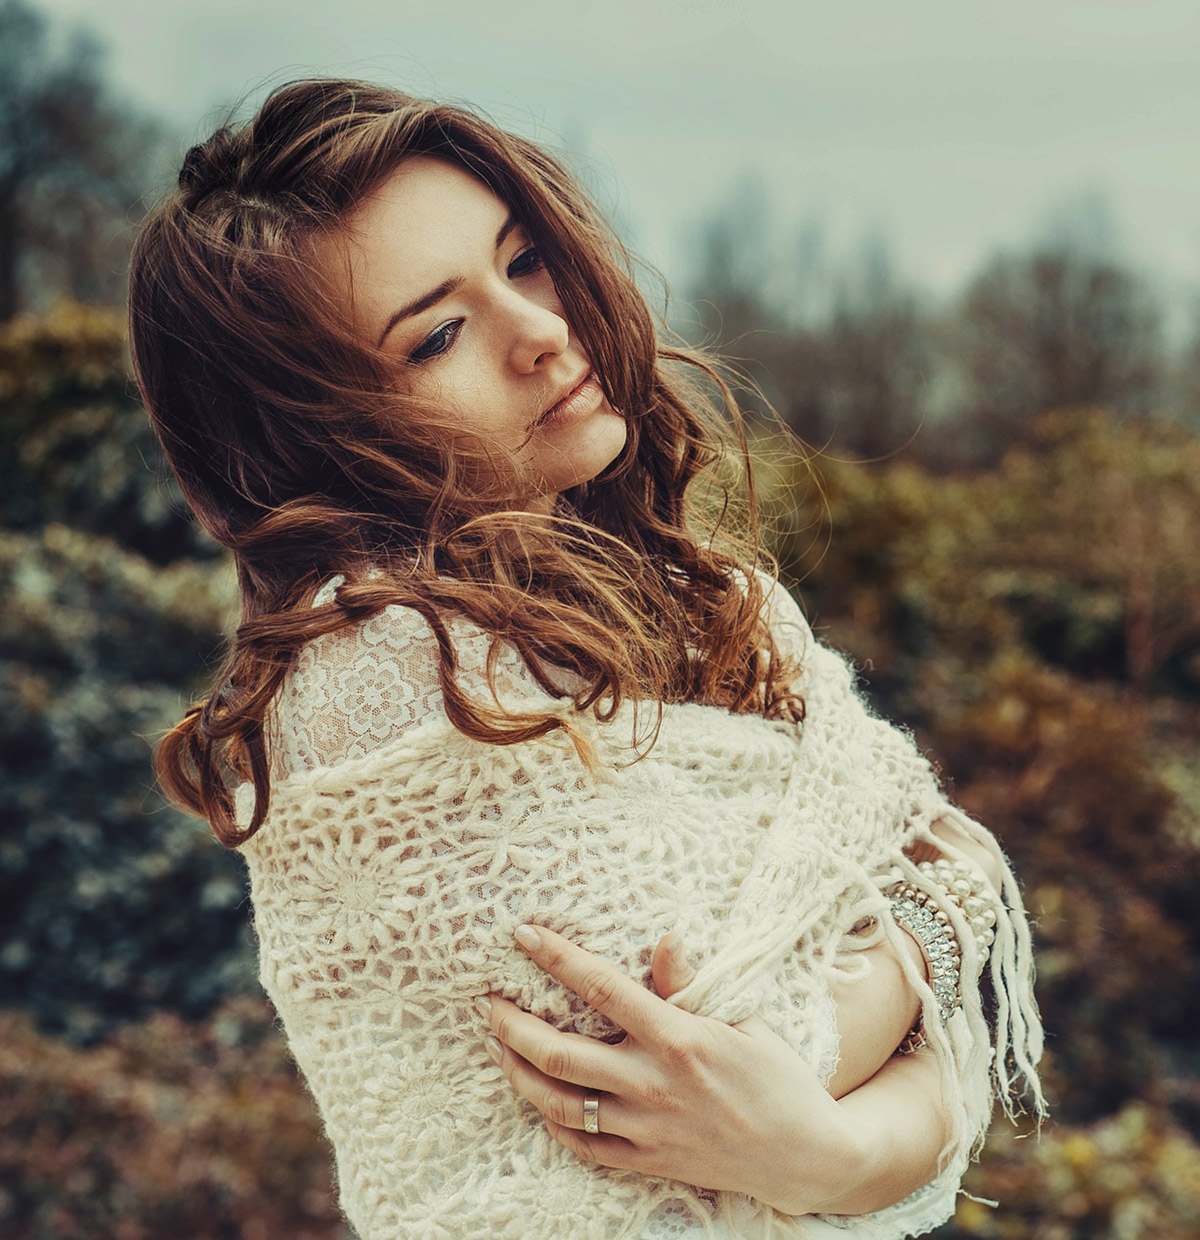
pixel 398 856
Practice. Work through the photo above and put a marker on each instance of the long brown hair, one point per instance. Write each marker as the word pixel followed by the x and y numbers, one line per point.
pixel 295 450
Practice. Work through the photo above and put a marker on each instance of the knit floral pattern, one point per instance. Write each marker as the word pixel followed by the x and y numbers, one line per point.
pixel 399 856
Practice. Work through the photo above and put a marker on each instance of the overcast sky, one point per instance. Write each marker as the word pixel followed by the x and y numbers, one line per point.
pixel 953 127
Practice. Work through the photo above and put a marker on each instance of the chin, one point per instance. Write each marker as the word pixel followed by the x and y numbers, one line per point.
pixel 597 446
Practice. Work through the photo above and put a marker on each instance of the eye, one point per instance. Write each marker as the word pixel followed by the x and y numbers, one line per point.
pixel 526 263
pixel 436 343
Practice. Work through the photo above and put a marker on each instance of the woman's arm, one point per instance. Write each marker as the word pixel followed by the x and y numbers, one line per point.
pixel 877 1008
pixel 902 1124
pixel 871 1140
pixel 875 1011
pixel 724 1107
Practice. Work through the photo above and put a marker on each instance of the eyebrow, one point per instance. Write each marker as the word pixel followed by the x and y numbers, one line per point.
pixel 443 290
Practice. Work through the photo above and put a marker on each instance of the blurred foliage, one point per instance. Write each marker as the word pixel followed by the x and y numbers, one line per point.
pixel 75 163
pixel 1019 620
pixel 111 903
pixel 1036 624
pixel 1039 626
pixel 1078 549
pixel 75 444
pixel 169 1129
pixel 1132 1176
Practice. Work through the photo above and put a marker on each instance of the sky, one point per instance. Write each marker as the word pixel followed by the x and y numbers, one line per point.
pixel 949 128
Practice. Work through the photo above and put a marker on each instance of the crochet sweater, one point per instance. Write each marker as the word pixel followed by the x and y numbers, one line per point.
pixel 398 856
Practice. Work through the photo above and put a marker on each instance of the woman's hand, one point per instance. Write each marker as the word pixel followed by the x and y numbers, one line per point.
pixel 683 1097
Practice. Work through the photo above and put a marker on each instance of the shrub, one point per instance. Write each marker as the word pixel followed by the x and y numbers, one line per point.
pixel 169 1129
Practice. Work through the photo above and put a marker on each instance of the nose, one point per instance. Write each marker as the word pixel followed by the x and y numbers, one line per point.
pixel 539 334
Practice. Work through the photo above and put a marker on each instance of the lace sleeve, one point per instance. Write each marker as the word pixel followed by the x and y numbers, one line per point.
pixel 355 690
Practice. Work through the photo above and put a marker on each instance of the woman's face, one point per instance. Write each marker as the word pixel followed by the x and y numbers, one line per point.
pixel 438 274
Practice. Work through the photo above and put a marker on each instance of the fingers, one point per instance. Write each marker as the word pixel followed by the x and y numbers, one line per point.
pixel 569 1057
pixel 559 1103
pixel 608 1151
pixel 600 985
pixel 671 968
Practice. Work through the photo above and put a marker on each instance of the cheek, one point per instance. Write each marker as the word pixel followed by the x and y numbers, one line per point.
pixel 467 390
pixel 453 386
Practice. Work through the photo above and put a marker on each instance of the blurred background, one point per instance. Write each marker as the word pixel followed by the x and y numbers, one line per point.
pixel 956 246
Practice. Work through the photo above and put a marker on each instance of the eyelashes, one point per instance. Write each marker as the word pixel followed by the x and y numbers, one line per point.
pixel 527 263
pixel 441 340
pixel 436 343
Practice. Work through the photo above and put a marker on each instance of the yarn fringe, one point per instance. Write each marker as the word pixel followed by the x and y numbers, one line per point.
pixel 981 1060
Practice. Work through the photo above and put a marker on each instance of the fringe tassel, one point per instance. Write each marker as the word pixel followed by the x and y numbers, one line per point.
pixel 1018 1034
pixel 980 1063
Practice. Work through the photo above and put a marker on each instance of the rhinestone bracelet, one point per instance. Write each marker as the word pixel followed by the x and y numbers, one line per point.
pixel 924 919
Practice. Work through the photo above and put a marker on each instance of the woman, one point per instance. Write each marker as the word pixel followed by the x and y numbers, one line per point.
pixel 499 672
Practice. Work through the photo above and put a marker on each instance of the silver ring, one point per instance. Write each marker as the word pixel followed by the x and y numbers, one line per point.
pixel 591 1113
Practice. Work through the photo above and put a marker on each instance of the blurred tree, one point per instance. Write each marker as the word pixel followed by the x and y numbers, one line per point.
pixel 842 353
pixel 1061 326
pixel 733 287
pixel 1187 377
pixel 1119 519
pixel 73 164
pixel 879 356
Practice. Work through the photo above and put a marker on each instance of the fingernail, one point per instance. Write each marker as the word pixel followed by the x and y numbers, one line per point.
pixel 527 936
pixel 483 1005
pixel 493 1048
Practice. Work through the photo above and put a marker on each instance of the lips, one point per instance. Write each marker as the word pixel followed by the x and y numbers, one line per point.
pixel 564 400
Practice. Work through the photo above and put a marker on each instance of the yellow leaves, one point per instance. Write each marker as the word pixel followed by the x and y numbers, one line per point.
pixel 76 344
pixel 974 1217
pixel 1134 1174
pixel 1079 1151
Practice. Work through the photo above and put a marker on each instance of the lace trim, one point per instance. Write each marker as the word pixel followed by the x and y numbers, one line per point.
pixel 360 688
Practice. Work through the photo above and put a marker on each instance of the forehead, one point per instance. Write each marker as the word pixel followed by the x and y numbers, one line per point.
pixel 423 224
